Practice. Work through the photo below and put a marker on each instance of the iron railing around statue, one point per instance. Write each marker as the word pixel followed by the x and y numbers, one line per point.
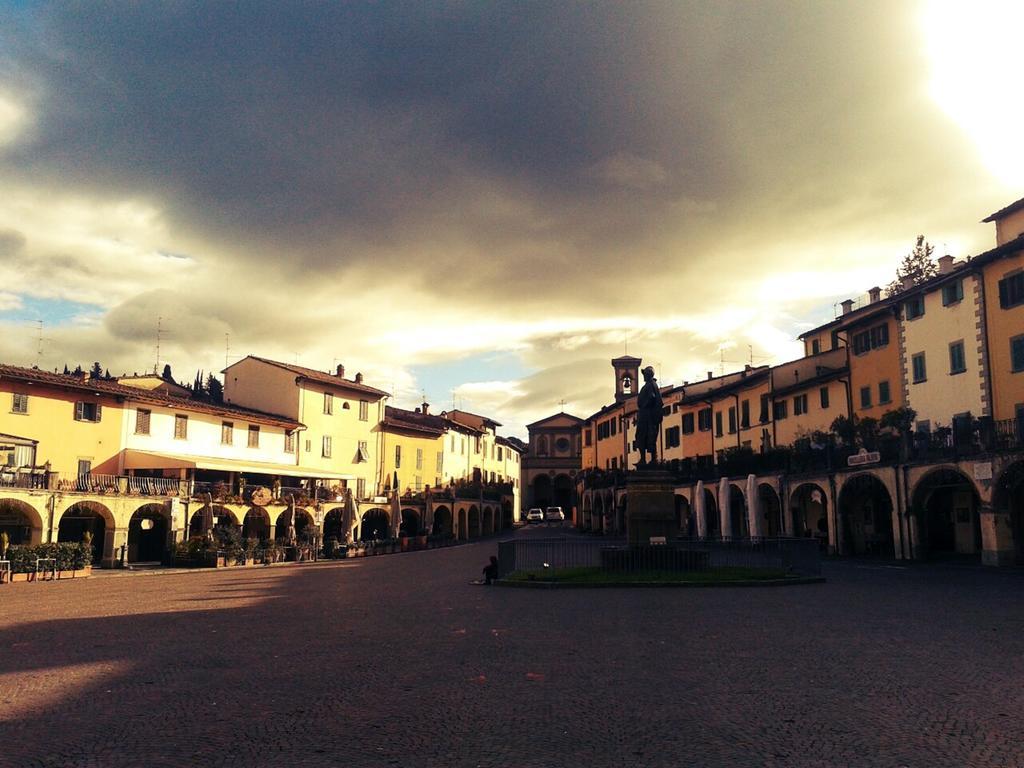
pixel 791 555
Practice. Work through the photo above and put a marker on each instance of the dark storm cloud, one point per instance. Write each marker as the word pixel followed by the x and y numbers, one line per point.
pixel 492 137
pixel 11 242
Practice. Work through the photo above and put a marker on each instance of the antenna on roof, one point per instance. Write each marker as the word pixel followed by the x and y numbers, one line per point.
pixel 625 342
pixel 227 349
pixel 562 403
pixel 39 342
pixel 159 334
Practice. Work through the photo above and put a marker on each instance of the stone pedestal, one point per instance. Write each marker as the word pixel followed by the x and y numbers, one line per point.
pixel 650 506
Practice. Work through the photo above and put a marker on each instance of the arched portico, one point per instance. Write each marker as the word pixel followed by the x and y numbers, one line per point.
pixel 488 521
pixel 739 524
pixel 442 520
pixel 148 534
pixel 473 516
pixel 712 521
pixel 944 515
pixel 463 532
pixel 373 525
pixel 21 521
pixel 256 524
pixel 771 510
pixel 808 506
pixel 865 512
pixel 92 517
pixel 410 525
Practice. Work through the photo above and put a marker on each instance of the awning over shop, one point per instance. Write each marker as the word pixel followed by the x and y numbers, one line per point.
pixel 134 459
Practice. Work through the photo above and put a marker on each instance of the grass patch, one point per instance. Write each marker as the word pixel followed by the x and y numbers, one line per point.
pixel 598 576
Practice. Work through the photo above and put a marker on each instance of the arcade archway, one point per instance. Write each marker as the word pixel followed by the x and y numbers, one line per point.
pixel 147 534
pixel 20 522
pixel 771 510
pixel 1008 499
pixel 373 525
pixel 946 507
pixel 809 508
pixel 442 521
pixel 86 517
pixel 865 511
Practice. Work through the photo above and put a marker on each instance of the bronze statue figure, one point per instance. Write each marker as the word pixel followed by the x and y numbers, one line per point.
pixel 648 418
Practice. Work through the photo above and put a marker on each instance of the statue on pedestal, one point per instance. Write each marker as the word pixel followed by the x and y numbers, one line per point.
pixel 648 418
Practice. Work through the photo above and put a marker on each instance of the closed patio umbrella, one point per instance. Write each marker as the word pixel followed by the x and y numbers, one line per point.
pixel 396 515
pixel 348 516
pixel 698 510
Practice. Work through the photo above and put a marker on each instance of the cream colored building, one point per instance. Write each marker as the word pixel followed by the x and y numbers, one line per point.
pixel 341 417
pixel 943 346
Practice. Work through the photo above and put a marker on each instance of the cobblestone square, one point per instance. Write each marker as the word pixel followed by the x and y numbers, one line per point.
pixel 397 660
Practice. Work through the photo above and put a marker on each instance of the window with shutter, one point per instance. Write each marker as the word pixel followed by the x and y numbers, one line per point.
pixel 1011 290
pixel 823 396
pixel 142 417
pixel 254 436
pixel 1017 353
pixel 180 427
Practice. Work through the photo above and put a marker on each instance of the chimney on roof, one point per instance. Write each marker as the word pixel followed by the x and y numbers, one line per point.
pixel 908 283
pixel 945 264
pixel 874 294
pixel 847 306
pixel 418 409
pixel 425 406
pixel 711 375
pixel 359 378
pixel 340 371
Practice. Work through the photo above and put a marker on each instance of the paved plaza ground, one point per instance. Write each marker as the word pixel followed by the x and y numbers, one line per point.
pixel 397 660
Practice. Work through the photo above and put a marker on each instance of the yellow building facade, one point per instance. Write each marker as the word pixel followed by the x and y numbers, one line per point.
pixel 342 416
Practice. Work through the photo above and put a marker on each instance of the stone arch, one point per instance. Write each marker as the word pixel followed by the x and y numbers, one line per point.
pixel 712 521
pixel 21 521
pixel 474 522
pixel 739 523
pixel 91 516
pixel 865 513
pixel 209 516
pixel 442 520
pixel 256 524
pixel 373 524
pixel 542 491
pixel 488 521
pixel 463 524
pixel 684 516
pixel 148 533
pixel 770 508
pixel 334 525
pixel 944 505
pixel 808 504
pixel 410 525
pixel 1008 500
pixel 507 517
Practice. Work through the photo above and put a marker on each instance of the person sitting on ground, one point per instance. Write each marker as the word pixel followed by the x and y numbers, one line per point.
pixel 491 570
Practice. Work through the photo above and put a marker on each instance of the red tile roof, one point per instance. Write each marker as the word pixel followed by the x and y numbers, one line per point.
pixel 1011 208
pixel 400 418
pixel 113 389
pixel 321 377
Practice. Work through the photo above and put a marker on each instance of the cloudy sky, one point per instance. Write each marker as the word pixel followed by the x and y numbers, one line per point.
pixel 484 202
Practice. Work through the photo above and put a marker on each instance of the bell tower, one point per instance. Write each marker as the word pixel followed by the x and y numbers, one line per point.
pixel 627 372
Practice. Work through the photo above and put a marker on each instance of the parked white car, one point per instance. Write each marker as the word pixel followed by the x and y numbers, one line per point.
pixel 535 515
pixel 554 515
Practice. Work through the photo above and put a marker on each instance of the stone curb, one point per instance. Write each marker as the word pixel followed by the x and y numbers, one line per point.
pixel 670 584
